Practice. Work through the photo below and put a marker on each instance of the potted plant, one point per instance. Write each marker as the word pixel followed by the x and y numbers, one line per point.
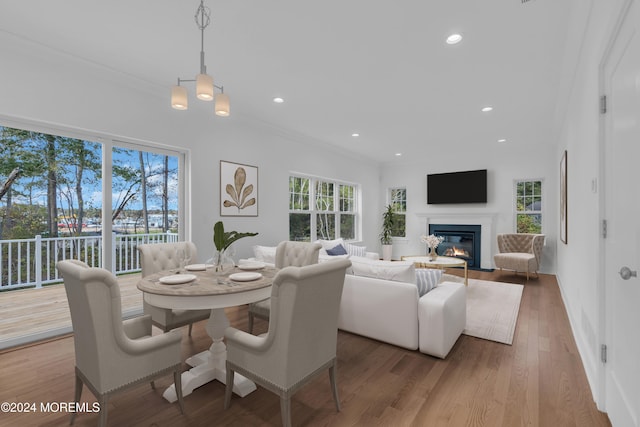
pixel 222 240
pixel 386 234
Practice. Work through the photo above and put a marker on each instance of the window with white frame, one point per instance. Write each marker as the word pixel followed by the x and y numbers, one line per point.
pixel 54 180
pixel 528 206
pixel 321 208
pixel 398 198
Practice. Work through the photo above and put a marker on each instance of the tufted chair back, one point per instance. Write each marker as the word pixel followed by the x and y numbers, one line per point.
pixel 302 337
pixel 156 257
pixel 288 254
pixel 521 243
pixel 297 254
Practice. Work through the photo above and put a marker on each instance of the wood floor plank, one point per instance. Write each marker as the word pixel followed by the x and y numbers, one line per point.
pixel 537 381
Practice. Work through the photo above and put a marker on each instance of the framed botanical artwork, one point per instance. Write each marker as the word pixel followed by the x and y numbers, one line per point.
pixel 563 198
pixel 238 189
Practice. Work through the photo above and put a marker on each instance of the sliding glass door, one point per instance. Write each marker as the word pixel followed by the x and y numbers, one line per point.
pixel 69 196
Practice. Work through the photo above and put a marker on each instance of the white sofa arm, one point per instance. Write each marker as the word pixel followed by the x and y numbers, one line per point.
pixel 380 309
pixel 442 315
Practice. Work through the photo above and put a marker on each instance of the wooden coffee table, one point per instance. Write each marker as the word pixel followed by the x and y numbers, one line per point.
pixel 441 262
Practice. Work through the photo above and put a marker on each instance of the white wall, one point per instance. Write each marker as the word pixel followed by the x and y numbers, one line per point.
pixel 578 262
pixel 48 88
pixel 505 164
pixel 275 157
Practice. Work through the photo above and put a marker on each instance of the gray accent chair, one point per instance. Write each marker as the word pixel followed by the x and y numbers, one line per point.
pixel 112 354
pixel 288 254
pixel 519 252
pixel 155 257
pixel 302 337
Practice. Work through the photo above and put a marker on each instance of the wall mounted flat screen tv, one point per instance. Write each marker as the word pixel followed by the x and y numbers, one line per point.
pixel 457 187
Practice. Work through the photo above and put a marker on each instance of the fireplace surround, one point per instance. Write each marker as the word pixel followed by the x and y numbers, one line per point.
pixel 486 220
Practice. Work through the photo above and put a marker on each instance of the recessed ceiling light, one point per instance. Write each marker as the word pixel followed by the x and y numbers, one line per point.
pixel 278 100
pixel 487 109
pixel 454 38
pixel 398 154
pixel 355 135
pixel 502 140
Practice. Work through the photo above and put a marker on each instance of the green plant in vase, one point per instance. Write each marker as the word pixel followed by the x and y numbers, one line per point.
pixel 222 241
pixel 387 231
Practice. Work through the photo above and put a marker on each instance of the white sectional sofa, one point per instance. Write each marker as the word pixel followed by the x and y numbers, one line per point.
pixel 394 312
pixel 381 300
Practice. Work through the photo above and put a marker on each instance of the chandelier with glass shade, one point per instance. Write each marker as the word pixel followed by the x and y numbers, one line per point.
pixel 204 82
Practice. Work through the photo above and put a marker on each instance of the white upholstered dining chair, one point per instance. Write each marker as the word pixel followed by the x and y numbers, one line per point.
pixel 288 254
pixel 112 354
pixel 155 257
pixel 302 337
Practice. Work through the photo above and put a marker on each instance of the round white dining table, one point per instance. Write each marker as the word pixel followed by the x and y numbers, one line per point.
pixel 208 290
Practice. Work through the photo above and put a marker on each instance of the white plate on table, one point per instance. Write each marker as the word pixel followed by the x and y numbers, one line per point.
pixel 197 267
pixel 176 279
pixel 252 265
pixel 245 277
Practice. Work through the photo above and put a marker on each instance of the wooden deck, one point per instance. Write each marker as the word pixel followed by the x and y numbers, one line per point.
pixel 29 315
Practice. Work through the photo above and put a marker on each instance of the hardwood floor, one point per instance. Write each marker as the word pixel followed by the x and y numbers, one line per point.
pixel 537 381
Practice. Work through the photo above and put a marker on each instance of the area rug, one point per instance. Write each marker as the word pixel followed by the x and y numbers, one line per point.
pixel 492 310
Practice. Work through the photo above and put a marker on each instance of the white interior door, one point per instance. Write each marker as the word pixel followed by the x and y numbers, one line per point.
pixel 622 211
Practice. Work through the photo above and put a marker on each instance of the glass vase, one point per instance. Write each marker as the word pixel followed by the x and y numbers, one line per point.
pixel 433 255
pixel 223 260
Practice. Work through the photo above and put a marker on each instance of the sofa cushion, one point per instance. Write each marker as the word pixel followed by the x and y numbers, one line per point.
pixel 399 271
pixel 265 253
pixel 337 250
pixel 427 279
pixel 519 261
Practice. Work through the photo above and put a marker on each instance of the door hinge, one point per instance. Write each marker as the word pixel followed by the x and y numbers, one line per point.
pixel 603 104
pixel 603 353
pixel 604 228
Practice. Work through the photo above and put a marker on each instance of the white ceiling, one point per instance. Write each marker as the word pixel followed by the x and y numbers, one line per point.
pixel 379 68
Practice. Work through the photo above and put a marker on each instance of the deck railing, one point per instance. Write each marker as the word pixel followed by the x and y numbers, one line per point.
pixel 31 262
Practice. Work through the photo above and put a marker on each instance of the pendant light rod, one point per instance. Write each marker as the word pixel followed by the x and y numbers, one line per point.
pixel 220 88
pixel 203 18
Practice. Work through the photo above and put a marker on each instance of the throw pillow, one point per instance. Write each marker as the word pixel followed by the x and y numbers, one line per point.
pixel 337 250
pixel 328 244
pixel 427 279
pixel 354 250
pixel 399 271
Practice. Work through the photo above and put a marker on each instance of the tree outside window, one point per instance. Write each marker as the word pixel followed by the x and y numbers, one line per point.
pixel 325 219
pixel 398 197
pixel 299 210
pixel 321 209
pixel 529 206
pixel 347 204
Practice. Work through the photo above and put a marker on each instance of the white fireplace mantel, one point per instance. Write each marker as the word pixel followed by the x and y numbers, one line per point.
pixel 485 220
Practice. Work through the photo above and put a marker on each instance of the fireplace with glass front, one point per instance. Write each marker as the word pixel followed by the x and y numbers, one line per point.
pixel 460 241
